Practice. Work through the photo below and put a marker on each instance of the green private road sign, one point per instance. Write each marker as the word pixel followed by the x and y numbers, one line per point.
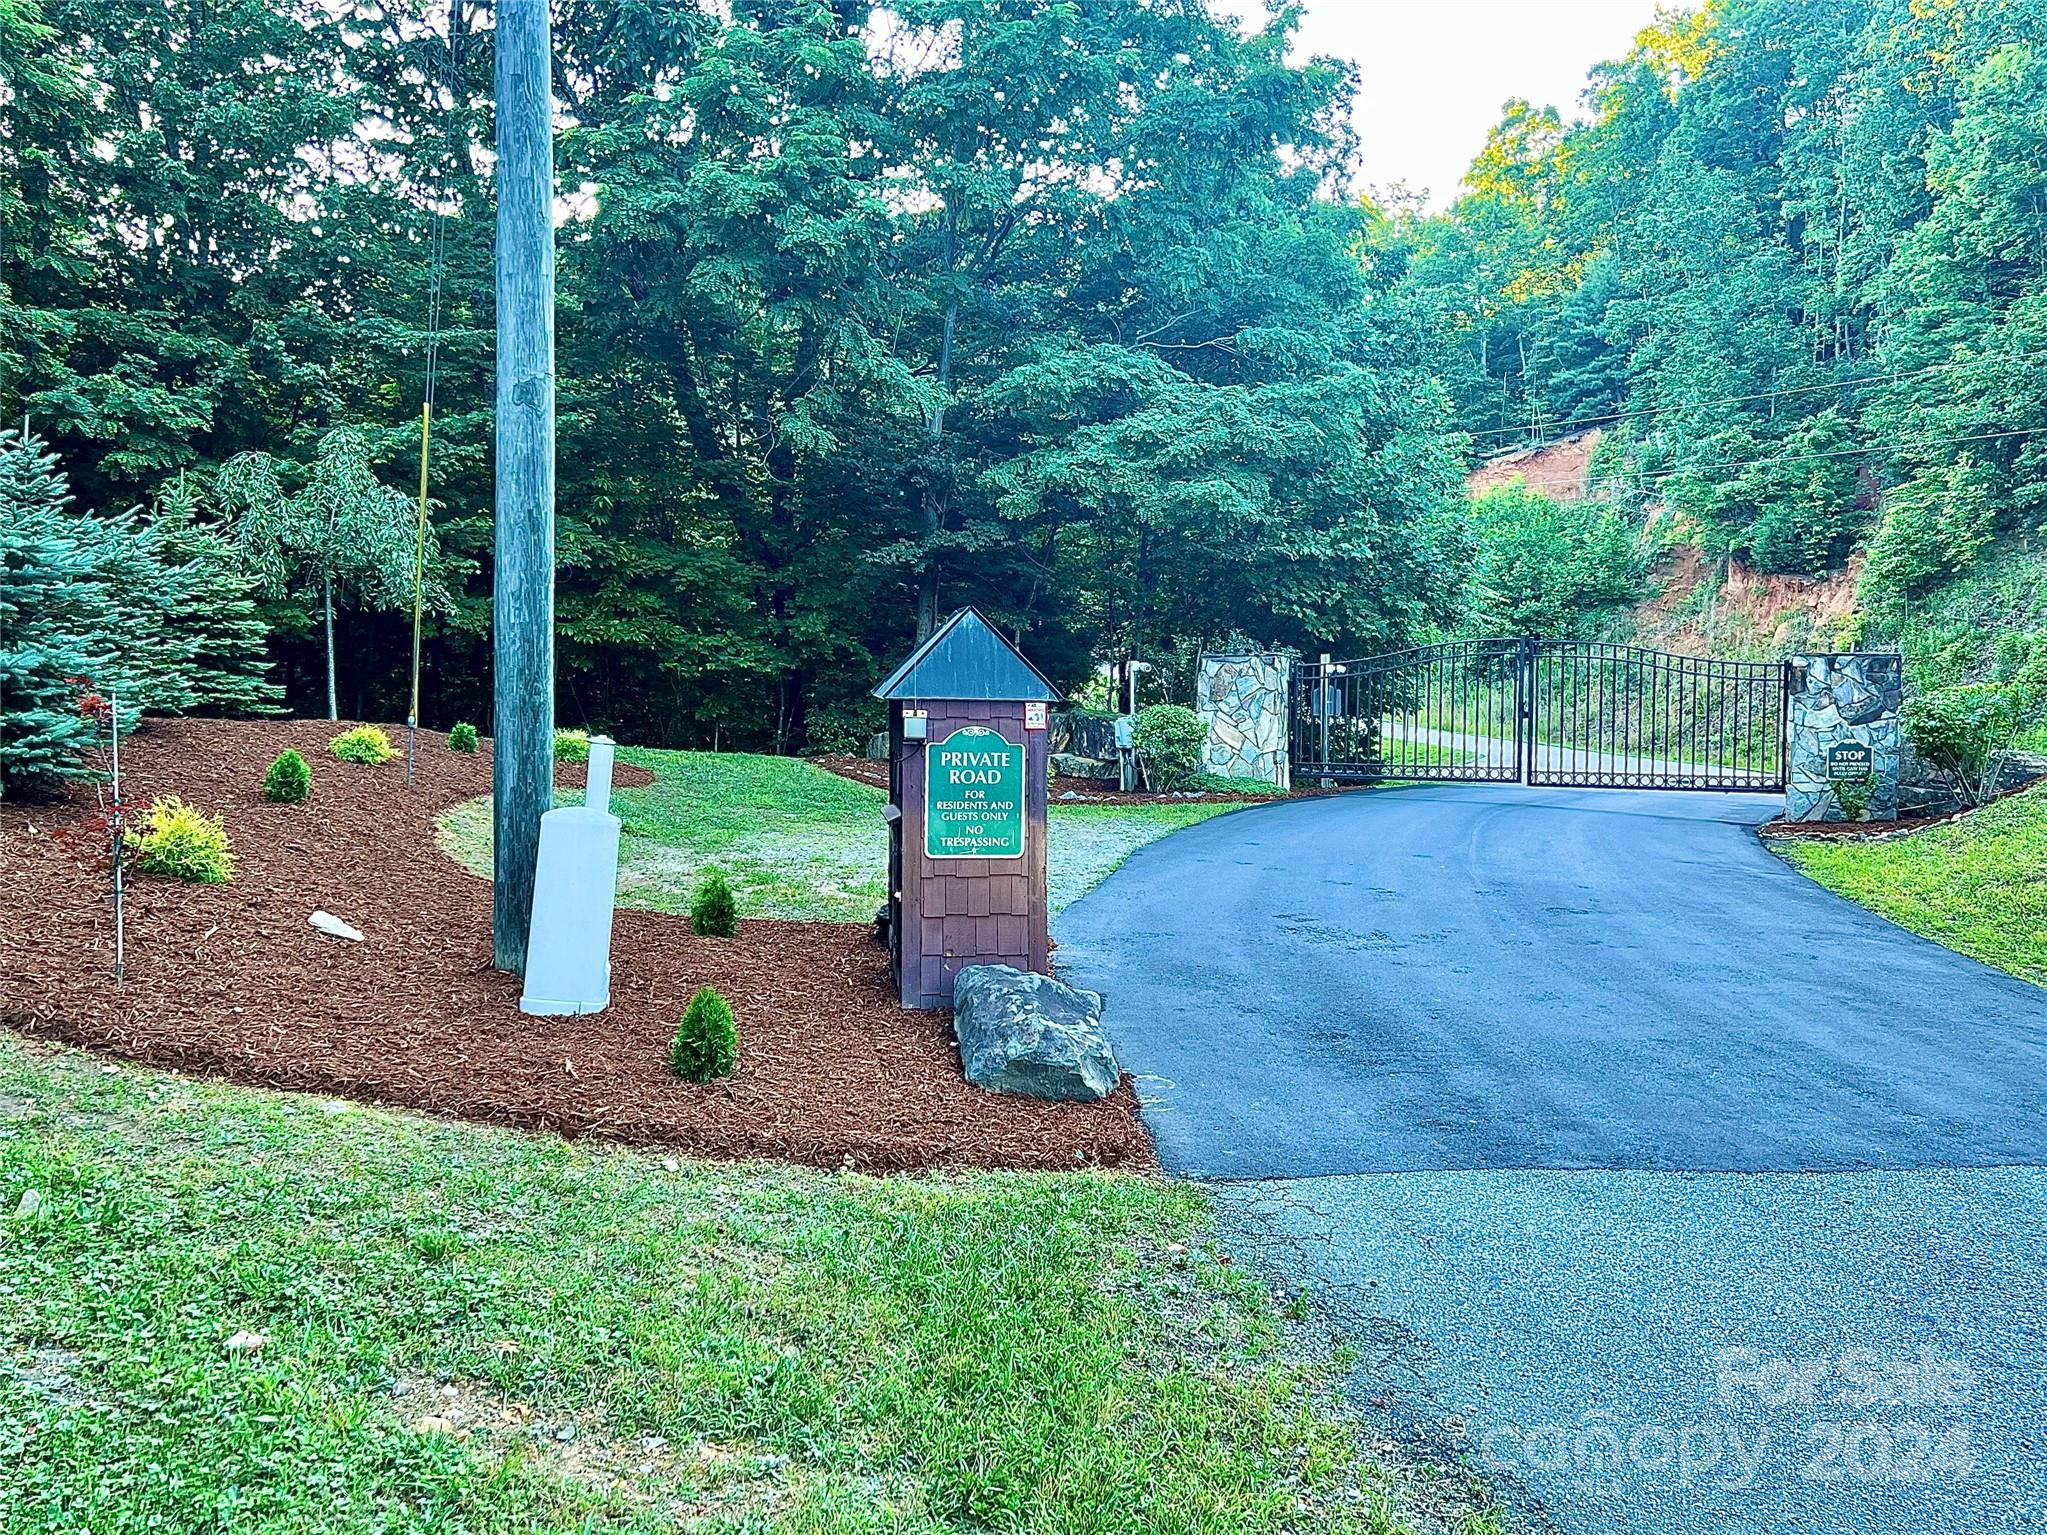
pixel 1850 759
pixel 974 796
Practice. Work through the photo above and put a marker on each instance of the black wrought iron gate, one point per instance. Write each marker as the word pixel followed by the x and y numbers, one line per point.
pixel 1568 713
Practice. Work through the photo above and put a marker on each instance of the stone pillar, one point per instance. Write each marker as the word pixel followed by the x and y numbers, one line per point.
pixel 1243 700
pixel 1844 737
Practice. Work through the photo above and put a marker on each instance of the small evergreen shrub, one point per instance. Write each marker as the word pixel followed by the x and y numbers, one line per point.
pixel 462 738
pixel 714 910
pixel 572 746
pixel 365 743
pixel 289 780
pixel 1854 794
pixel 707 1044
pixel 1169 742
pixel 177 840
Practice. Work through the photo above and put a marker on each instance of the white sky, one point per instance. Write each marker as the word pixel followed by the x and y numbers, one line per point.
pixel 1435 73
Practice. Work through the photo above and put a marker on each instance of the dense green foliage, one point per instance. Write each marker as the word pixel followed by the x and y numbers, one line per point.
pixel 216 635
pixel 181 841
pixel 865 314
pixel 1964 729
pixel 288 780
pixel 572 746
pixel 1064 310
pixel 1977 883
pixel 1792 259
pixel 50 608
pixel 628 1344
pixel 706 1043
pixel 1547 567
pixel 713 910
pixel 462 738
pixel 151 611
pixel 1169 739
pixel 367 744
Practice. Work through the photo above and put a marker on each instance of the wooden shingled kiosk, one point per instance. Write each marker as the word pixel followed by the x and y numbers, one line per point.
pixel 968 759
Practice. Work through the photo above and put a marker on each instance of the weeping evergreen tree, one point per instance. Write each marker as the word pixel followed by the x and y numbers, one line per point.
pixel 345 532
pixel 220 637
pixel 51 608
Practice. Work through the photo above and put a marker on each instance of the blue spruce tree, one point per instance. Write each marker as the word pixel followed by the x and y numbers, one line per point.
pixel 53 611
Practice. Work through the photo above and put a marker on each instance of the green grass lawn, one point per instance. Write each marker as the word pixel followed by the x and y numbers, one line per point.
pixel 799 842
pixel 227 1310
pixel 1977 884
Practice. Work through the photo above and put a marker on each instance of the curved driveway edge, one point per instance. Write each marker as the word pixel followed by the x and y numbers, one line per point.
pixel 1656 1180
pixel 1469 976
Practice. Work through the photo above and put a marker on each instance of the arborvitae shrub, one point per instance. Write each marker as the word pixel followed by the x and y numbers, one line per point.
pixel 179 841
pixel 714 910
pixel 707 1044
pixel 462 738
pixel 365 743
pixel 572 746
pixel 289 780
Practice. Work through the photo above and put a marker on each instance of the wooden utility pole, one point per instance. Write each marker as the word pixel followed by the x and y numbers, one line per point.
pixel 522 607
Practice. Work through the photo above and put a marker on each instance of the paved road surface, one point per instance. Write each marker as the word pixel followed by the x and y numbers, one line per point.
pixel 1679 1193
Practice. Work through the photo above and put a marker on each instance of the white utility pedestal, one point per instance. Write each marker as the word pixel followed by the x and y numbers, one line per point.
pixel 568 956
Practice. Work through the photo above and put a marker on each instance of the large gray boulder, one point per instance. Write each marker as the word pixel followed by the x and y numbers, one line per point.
pixel 1029 1034
pixel 1068 765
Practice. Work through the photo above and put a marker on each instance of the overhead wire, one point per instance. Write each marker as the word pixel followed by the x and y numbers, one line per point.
pixel 436 270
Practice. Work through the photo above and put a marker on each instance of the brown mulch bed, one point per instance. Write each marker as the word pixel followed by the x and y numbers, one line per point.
pixel 230 980
pixel 859 769
pixel 1877 831
pixel 1847 831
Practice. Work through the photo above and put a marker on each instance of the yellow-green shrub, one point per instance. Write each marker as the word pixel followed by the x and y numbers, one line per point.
pixel 365 743
pixel 180 841
pixel 572 746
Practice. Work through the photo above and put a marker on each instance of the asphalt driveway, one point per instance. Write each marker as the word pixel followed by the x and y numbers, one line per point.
pixel 1675 1191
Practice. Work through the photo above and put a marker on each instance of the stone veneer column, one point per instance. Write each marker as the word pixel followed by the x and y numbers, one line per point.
pixel 1840 703
pixel 1244 700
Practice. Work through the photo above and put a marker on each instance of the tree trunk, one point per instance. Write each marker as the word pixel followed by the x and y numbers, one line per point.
pixel 327 605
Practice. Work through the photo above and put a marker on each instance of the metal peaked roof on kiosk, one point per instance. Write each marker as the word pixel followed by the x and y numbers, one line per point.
pixel 966 658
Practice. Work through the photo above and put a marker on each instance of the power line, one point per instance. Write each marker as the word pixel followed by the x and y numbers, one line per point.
pixel 1640 478
pixel 1563 427
pixel 436 275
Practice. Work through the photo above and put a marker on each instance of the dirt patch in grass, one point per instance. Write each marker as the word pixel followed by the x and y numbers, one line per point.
pixel 231 980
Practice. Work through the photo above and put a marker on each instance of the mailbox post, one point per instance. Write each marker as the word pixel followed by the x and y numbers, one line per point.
pixel 968 759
